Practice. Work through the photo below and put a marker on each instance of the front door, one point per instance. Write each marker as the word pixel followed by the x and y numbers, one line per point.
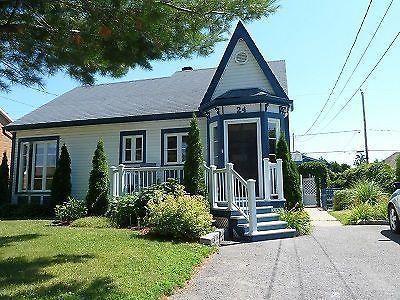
pixel 243 149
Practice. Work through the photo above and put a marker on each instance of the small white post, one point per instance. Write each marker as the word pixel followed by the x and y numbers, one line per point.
pixel 251 187
pixel 267 179
pixel 229 184
pixel 121 180
pixel 114 183
pixel 212 189
pixel 279 179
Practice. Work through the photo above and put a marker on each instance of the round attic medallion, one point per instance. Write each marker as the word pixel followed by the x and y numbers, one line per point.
pixel 241 57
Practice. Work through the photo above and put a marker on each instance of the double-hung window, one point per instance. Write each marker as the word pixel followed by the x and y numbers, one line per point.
pixel 37 164
pixel 274 130
pixel 175 145
pixel 132 151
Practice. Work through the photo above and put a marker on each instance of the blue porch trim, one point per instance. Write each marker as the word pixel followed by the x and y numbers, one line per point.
pixel 163 133
pixel 241 33
pixel 131 133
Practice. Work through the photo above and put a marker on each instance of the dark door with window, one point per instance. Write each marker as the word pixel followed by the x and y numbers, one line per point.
pixel 242 150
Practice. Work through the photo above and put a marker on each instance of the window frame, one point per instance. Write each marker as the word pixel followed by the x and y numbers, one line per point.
pixel 277 122
pixel 31 144
pixel 133 135
pixel 173 132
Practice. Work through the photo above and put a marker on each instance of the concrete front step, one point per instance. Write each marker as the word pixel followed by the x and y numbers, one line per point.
pixel 260 218
pixel 270 235
pixel 265 226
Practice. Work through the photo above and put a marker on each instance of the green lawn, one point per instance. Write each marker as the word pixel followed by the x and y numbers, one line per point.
pixel 341 215
pixel 42 262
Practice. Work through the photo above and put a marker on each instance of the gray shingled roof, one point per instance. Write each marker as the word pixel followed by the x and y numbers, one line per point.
pixel 181 92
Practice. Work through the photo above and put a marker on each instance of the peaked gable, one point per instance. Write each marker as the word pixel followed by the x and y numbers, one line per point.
pixel 241 40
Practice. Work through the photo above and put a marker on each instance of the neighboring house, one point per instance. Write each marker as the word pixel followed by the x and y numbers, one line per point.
pixel 242 106
pixel 391 160
pixel 5 137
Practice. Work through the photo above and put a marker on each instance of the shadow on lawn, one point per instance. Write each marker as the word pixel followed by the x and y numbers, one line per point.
pixel 391 235
pixel 99 288
pixel 6 240
pixel 19 271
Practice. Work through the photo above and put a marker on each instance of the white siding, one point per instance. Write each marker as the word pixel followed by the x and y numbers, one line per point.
pixel 237 76
pixel 81 142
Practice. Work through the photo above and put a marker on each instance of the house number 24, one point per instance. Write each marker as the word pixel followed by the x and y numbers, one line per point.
pixel 240 109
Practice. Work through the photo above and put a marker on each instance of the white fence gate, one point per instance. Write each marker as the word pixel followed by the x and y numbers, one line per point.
pixel 309 191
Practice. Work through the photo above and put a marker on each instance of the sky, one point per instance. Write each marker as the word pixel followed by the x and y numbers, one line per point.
pixel 314 38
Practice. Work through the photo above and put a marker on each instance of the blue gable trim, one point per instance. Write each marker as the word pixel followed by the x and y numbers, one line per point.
pixel 129 133
pixel 170 130
pixel 241 33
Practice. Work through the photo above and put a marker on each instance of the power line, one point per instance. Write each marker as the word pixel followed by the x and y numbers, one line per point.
pixel 341 71
pixel 329 132
pixel 17 101
pixel 349 151
pixel 366 48
pixel 42 91
pixel 366 78
pixel 362 56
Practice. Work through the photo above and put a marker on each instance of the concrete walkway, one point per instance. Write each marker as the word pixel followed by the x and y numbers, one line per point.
pixel 320 217
pixel 335 262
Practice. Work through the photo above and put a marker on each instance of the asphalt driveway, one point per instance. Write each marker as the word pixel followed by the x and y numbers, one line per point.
pixel 335 262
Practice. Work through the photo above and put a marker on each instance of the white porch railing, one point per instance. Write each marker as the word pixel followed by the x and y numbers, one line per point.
pixel 273 179
pixel 127 180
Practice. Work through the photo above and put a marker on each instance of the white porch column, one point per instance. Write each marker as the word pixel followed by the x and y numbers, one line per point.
pixel 251 187
pixel 212 183
pixel 267 179
pixel 279 179
pixel 114 181
pixel 121 180
pixel 229 184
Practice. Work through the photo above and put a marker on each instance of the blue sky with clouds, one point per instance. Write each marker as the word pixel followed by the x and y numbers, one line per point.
pixel 314 37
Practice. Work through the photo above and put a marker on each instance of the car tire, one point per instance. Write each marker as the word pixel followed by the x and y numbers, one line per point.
pixel 393 219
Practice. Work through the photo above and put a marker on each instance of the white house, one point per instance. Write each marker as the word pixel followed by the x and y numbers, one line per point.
pixel 242 107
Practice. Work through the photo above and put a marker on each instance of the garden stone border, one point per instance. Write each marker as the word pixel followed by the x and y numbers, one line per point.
pixel 213 238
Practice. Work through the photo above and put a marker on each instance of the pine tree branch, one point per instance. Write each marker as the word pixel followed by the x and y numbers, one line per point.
pixel 187 10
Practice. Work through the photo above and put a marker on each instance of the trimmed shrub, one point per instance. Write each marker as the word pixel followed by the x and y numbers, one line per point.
pixel 124 211
pixel 131 210
pixel 368 192
pixel 92 222
pixel 97 196
pixel 4 180
pixel 291 177
pixel 298 219
pixel 342 199
pixel 61 185
pixel 184 217
pixel 194 168
pixel 70 210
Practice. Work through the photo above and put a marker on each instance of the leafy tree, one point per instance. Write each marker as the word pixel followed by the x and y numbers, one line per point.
pixel 194 169
pixel 398 168
pixel 4 180
pixel 291 177
pixel 108 37
pixel 359 159
pixel 97 196
pixel 61 186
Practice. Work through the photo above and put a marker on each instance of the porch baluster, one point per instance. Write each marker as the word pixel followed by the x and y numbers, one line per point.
pixel 251 187
pixel 267 179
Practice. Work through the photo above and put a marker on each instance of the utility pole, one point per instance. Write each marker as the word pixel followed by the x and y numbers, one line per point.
pixel 365 127
pixel 293 141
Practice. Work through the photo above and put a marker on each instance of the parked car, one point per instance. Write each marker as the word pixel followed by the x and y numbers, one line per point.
pixel 394 210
